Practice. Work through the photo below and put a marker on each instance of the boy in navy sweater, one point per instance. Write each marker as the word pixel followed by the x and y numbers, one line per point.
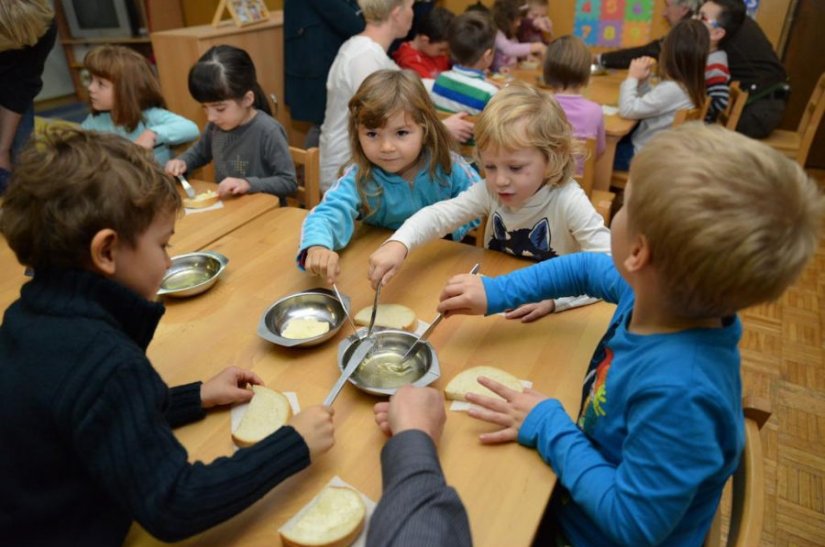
pixel 87 421
pixel 702 235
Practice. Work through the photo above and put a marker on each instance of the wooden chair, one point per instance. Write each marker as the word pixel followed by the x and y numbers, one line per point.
pixel 729 117
pixel 602 200
pixel 308 169
pixel 797 144
pixel 747 505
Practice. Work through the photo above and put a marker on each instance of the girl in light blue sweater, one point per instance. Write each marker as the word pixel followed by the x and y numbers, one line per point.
pixel 401 163
pixel 126 100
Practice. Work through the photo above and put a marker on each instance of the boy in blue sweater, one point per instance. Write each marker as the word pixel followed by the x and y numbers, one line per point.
pixel 86 418
pixel 702 235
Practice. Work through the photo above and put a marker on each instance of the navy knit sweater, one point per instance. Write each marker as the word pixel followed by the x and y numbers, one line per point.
pixel 85 423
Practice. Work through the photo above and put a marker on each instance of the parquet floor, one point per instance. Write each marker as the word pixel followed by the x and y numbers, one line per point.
pixel 783 360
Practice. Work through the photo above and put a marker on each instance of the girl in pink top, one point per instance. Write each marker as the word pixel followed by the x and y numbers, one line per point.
pixel 507 15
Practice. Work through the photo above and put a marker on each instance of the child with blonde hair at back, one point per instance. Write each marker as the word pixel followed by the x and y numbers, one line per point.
pixel 401 162
pixel 126 100
pixel 534 208
pixel 701 236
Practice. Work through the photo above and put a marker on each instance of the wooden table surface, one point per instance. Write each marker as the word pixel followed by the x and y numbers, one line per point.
pixel 193 232
pixel 602 89
pixel 505 488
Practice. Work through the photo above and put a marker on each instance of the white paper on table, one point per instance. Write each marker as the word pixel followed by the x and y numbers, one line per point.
pixel 214 206
pixel 237 411
pixel 610 110
pixel 337 481
pixel 463 406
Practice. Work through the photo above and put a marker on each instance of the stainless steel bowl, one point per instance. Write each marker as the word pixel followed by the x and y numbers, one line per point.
pixel 320 304
pixel 192 273
pixel 381 373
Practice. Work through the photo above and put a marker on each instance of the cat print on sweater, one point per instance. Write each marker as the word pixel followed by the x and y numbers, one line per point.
pixel 531 243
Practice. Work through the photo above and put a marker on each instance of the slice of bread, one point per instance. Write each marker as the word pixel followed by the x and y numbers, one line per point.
pixel 334 518
pixel 267 412
pixel 202 200
pixel 392 316
pixel 467 382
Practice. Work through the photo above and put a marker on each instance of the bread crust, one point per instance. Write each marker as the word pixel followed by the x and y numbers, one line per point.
pixel 362 318
pixel 344 541
pixel 244 442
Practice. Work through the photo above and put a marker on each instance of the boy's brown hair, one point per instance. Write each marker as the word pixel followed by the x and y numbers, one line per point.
pixel 471 34
pixel 136 88
pixel 69 185
pixel 729 220
pixel 378 11
pixel 567 63
pixel 523 116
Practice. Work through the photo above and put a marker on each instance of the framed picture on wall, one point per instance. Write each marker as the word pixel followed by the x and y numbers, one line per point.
pixel 243 12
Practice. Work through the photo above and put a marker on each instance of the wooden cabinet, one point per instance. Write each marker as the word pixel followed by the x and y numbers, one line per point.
pixel 177 50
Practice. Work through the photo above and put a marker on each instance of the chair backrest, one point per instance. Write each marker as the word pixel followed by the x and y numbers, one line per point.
pixel 809 123
pixel 729 117
pixel 588 174
pixel 308 169
pixel 748 492
pixel 687 115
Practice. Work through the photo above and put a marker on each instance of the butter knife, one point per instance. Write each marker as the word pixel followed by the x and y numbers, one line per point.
pixel 374 310
pixel 357 358
pixel 187 187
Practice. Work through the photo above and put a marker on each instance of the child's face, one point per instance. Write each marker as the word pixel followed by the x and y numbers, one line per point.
pixel 536 11
pixel 396 146
pixel 229 114
pixel 141 267
pixel 709 14
pixel 101 94
pixel 435 49
pixel 514 176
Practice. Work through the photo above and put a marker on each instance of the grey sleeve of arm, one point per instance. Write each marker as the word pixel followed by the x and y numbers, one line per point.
pixel 417 506
pixel 199 154
pixel 280 179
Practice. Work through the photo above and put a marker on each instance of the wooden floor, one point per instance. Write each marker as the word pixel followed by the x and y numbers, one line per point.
pixel 783 358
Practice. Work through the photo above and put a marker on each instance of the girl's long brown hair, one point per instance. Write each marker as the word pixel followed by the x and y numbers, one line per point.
pixel 382 94
pixel 684 56
pixel 136 87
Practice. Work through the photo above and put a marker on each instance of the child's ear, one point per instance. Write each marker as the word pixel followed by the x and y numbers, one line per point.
pixel 719 34
pixel 639 255
pixel 487 57
pixel 103 251
pixel 248 99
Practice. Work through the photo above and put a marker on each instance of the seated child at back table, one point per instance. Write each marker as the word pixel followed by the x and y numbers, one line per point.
pixel 534 208
pixel 248 147
pixel 90 418
pixel 428 53
pixel 126 100
pixel 701 236
pixel 402 162
pixel 507 16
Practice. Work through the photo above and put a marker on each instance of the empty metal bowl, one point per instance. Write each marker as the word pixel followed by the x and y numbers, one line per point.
pixel 382 372
pixel 320 304
pixel 192 273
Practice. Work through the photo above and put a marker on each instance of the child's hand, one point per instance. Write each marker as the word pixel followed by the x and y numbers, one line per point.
pixel 459 128
pixel 175 167
pixel 322 262
pixel 411 407
pixel 231 186
pixel 543 24
pixel 509 413
pixel 463 294
pixel 537 48
pixel 385 262
pixel 530 312
pixel 147 139
pixel 228 386
pixel 314 425
pixel 640 68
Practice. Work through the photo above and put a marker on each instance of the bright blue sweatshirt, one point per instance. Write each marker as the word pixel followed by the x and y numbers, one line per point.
pixel 392 201
pixel 661 428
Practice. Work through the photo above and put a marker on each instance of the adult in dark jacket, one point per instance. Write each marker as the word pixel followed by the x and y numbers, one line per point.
pixel 313 32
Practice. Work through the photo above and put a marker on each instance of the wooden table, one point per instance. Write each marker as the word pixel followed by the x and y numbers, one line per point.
pixel 603 89
pixel 193 232
pixel 505 488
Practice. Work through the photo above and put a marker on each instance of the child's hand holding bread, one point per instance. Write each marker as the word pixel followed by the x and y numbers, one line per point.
pixel 508 413
pixel 322 262
pixel 463 294
pixel 228 387
pixel 640 68
pixel 385 262
pixel 314 424
pixel 411 407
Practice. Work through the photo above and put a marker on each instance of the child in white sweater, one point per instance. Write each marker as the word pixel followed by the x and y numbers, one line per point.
pixel 533 206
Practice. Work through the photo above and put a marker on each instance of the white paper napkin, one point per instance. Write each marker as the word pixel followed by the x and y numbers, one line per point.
pixel 217 205
pixel 463 406
pixel 237 411
pixel 368 503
